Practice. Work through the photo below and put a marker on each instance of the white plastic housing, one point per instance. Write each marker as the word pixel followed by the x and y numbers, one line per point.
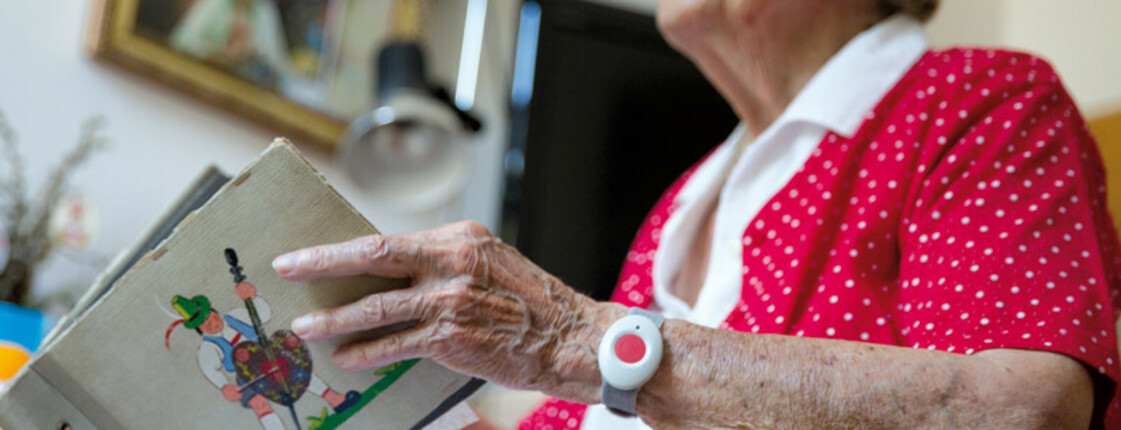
pixel 629 376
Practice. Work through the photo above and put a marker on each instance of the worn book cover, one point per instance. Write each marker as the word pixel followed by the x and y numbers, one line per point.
pixel 195 334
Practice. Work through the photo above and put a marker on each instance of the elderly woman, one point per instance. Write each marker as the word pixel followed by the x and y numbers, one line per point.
pixel 895 237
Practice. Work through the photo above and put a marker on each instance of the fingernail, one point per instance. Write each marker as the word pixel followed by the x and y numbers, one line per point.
pixel 285 264
pixel 302 325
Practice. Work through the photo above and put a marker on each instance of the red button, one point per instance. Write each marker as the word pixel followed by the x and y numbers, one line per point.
pixel 630 348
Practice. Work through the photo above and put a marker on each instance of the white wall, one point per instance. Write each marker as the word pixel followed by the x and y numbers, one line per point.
pixel 966 22
pixel 161 139
pixel 1079 37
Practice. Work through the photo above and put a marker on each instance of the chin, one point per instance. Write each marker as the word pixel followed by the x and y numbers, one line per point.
pixel 683 22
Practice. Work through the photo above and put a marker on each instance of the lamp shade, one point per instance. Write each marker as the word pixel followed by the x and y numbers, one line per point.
pixel 408 152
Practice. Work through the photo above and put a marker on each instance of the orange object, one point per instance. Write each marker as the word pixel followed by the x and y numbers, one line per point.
pixel 12 358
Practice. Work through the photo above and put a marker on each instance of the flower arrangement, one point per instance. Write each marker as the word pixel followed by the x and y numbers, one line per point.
pixel 25 219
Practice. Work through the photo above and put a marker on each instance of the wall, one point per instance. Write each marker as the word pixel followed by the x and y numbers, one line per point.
pixel 1079 38
pixel 964 22
pixel 160 138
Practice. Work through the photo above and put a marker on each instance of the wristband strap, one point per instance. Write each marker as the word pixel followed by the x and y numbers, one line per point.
pixel 624 402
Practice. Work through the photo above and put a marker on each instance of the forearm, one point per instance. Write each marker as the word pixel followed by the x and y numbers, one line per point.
pixel 737 380
pixel 714 378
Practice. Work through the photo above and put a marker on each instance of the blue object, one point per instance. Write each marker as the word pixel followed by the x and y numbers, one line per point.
pixel 21 333
pixel 22 326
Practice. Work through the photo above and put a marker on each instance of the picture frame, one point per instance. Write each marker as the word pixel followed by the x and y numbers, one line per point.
pixel 120 36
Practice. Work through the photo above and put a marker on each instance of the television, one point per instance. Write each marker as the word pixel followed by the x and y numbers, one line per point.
pixel 604 116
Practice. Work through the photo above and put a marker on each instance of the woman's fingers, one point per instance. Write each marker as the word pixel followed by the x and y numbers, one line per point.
pixel 397 256
pixel 402 345
pixel 375 310
pixel 388 256
pixel 447 232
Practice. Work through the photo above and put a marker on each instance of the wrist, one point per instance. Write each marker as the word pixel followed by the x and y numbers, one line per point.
pixel 576 364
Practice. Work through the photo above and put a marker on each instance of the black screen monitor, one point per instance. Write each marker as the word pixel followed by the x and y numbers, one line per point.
pixel 605 116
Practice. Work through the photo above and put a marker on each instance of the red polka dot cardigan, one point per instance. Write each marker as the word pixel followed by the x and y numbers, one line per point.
pixel 967 213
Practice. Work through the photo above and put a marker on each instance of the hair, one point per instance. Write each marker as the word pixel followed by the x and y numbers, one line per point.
pixel 921 9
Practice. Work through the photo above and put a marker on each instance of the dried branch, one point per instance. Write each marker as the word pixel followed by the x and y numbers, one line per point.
pixel 58 184
pixel 28 224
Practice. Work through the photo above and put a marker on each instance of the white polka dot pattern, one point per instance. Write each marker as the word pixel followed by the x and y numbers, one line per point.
pixel 968 213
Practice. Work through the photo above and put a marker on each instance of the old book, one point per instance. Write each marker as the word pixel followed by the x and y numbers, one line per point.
pixel 191 331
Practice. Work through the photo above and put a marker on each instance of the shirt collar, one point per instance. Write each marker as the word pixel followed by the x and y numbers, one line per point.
pixel 854 80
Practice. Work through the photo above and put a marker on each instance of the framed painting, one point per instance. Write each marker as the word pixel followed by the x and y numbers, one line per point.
pixel 293 66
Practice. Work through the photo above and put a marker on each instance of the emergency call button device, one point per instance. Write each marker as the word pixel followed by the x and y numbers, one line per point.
pixel 629 355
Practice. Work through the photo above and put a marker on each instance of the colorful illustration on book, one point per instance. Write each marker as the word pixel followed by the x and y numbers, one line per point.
pixel 266 369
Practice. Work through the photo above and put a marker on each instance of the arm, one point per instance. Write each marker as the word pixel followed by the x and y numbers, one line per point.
pixel 716 378
pixel 486 311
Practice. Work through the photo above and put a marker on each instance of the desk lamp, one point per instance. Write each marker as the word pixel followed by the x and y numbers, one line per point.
pixel 408 151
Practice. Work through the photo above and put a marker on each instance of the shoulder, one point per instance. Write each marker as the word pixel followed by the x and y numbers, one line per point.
pixel 997 93
pixel 983 79
pixel 982 64
pixel 984 114
pixel 957 88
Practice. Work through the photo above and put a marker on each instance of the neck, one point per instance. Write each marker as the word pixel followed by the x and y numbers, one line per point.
pixel 760 78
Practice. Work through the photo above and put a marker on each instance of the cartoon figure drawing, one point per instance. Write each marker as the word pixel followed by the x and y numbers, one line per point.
pixel 249 367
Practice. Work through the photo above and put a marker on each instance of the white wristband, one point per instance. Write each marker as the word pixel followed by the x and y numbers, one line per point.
pixel 629 355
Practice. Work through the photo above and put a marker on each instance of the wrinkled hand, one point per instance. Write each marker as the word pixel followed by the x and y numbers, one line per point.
pixel 482 309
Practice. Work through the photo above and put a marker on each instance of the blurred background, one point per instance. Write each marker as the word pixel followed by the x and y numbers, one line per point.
pixel 567 93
